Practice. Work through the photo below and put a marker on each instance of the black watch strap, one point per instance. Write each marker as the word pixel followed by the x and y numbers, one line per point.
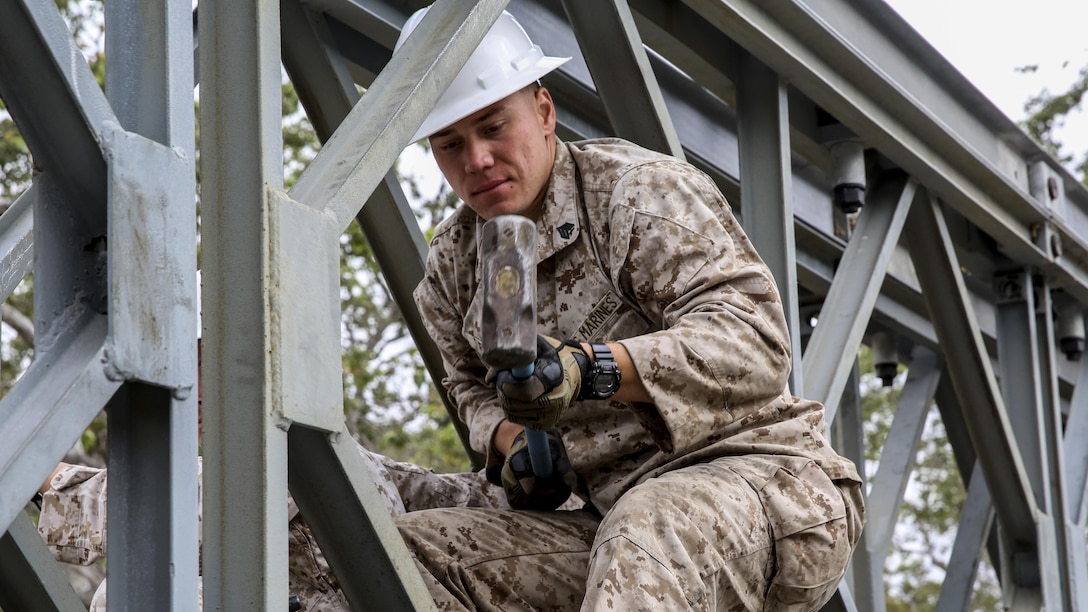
pixel 601 352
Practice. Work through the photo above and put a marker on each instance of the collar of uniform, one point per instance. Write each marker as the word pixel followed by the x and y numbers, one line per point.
pixel 559 223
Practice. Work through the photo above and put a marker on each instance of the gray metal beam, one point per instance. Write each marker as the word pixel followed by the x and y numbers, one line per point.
pixel 1020 376
pixel 705 125
pixel 1055 566
pixel 846 310
pixel 1022 384
pixel 29 577
pixel 66 385
pixel 688 42
pixel 327 94
pixel 897 458
pixel 1078 566
pixel 316 68
pixel 842 601
pixel 375 132
pixel 767 187
pixel 1076 478
pixel 898 454
pixel 848 438
pixel 371 562
pixel 832 52
pixel 1076 451
pixel 244 444
pixel 971 372
pixel 56 102
pixel 46 412
pixel 955 426
pixel 153 501
pixel 622 74
pixel 976 522
pixel 17 242
pixel 63 116
pixel 149 76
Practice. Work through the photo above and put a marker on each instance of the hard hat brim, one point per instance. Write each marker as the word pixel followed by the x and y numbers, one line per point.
pixel 484 98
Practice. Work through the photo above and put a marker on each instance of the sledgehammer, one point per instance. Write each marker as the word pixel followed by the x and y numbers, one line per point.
pixel 508 258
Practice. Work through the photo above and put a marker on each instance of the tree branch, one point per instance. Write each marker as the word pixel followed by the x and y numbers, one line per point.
pixel 20 323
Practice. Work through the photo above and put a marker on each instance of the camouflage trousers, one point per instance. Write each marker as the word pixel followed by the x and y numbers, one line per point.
pixel 73 520
pixel 754 532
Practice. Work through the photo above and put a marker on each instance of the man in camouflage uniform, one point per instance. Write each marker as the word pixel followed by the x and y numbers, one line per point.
pixel 73 520
pixel 708 485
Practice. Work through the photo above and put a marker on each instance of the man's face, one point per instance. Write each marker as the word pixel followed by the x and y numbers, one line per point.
pixel 499 158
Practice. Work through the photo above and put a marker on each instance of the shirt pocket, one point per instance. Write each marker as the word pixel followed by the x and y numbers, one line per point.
pixel 808 520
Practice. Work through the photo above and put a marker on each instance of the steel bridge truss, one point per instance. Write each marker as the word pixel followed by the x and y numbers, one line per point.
pixel 896 206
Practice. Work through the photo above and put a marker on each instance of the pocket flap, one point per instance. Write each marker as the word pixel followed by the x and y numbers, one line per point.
pixel 795 492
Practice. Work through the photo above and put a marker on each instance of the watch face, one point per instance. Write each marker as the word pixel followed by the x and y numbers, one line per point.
pixel 605 383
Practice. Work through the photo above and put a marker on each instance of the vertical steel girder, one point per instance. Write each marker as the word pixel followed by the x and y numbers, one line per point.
pixel 152 219
pixel 1076 462
pixel 621 71
pixel 766 187
pixel 1026 351
pixel 244 442
pixel 107 198
pixel 1076 451
pixel 848 437
pixel 352 163
pixel 1019 373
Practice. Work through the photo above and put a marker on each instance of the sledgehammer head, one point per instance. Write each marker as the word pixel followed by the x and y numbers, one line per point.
pixel 508 258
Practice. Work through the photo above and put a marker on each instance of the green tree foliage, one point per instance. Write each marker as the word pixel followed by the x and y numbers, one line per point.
pixel 15 165
pixel 390 401
pixel 1047 112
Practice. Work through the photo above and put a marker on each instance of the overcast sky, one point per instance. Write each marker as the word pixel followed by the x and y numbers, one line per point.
pixel 988 40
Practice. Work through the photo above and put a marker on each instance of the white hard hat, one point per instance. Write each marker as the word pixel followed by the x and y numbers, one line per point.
pixel 505 61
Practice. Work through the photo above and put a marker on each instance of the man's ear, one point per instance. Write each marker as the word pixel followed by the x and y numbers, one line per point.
pixel 545 109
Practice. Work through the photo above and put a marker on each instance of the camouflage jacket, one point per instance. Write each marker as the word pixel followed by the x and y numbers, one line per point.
pixel 639 248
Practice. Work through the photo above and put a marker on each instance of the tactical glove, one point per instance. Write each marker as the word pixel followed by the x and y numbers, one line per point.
pixel 540 400
pixel 524 490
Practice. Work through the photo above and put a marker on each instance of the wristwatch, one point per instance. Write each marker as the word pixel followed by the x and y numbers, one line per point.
pixel 602 379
